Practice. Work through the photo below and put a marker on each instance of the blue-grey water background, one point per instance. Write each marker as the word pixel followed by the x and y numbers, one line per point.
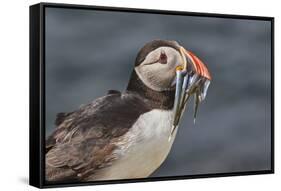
pixel 89 52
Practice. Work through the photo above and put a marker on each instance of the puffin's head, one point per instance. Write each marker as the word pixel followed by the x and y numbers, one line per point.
pixel 156 64
pixel 164 65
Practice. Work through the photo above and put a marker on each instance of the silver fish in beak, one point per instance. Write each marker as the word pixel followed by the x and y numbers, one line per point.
pixel 192 79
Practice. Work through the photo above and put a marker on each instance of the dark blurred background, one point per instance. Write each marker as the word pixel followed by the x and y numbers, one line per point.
pixel 89 52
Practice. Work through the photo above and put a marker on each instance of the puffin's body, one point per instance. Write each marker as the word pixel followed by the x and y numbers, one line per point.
pixel 121 135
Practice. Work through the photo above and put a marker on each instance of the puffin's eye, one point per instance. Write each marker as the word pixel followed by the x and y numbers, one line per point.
pixel 163 58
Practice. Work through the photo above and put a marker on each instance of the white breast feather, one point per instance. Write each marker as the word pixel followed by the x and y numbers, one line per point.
pixel 144 148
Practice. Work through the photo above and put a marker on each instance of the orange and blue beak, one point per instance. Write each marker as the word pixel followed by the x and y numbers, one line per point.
pixel 192 79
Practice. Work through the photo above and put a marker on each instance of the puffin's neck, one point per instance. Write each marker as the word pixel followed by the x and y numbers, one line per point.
pixel 157 100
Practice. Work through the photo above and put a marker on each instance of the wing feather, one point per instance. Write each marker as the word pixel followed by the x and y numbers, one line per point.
pixel 85 139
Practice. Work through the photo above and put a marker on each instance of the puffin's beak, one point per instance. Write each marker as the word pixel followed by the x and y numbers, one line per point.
pixel 192 78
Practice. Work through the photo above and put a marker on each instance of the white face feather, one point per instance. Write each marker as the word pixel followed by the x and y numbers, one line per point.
pixel 156 75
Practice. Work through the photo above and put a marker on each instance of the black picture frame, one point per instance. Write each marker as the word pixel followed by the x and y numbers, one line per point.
pixel 37 93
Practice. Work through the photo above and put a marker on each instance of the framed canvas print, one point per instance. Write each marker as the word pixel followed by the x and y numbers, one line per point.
pixel 126 95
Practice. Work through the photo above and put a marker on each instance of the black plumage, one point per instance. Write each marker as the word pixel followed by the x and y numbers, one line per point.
pixel 84 139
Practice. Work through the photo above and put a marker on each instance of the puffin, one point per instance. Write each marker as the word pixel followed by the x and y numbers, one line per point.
pixel 129 134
